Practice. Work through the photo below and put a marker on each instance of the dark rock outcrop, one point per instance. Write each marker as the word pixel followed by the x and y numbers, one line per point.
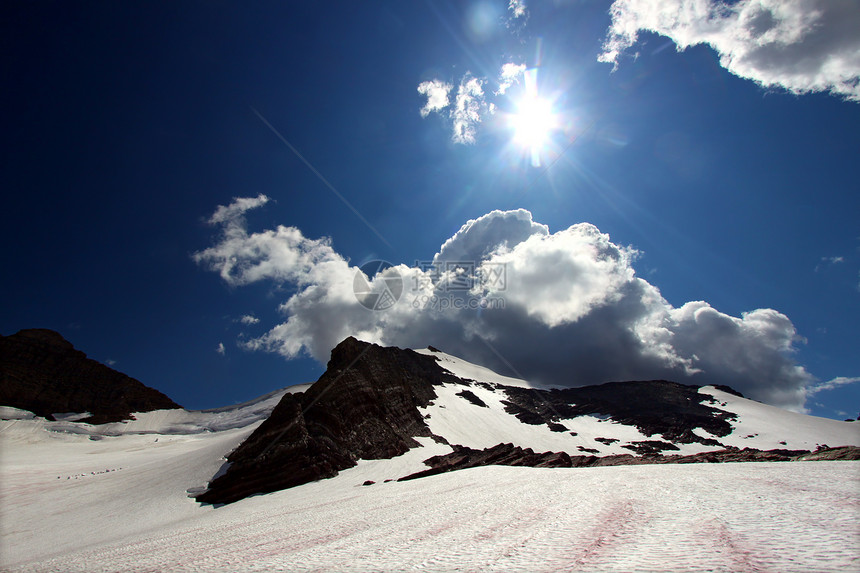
pixel 510 455
pixel 650 447
pixel 470 396
pixel 827 454
pixel 41 371
pixel 658 407
pixel 365 406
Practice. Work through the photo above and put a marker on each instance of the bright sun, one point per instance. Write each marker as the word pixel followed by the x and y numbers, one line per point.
pixel 533 122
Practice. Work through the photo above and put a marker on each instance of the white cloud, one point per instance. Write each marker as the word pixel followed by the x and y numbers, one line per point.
pixel 232 213
pixel 517 8
pixel 470 105
pixel 249 319
pixel 220 349
pixel 469 108
pixel 509 76
pixel 831 384
pixel 573 309
pixel 437 96
pixel 799 45
pixel 282 255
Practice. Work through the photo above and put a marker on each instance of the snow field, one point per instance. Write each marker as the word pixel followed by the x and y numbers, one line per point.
pixel 703 517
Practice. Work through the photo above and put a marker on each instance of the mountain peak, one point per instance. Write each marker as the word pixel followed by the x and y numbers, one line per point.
pixel 42 372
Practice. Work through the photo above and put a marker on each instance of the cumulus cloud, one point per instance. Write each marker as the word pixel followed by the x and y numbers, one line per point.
pixel 437 95
pixel 563 308
pixel 798 45
pixel 283 254
pixel 220 349
pixel 249 319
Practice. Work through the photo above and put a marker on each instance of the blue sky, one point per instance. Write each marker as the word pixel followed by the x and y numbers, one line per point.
pixel 725 173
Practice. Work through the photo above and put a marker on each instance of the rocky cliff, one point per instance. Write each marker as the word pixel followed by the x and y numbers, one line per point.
pixel 41 371
pixel 365 406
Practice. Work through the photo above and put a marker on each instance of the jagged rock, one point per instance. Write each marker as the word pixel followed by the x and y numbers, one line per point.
pixel 41 371
pixel 365 406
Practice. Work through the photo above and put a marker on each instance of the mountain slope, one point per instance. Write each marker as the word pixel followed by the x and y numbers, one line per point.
pixel 112 497
pixel 77 484
pixel 41 372
pixel 373 402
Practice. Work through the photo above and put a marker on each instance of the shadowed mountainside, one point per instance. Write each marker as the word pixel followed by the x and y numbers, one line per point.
pixel 364 406
pixel 41 371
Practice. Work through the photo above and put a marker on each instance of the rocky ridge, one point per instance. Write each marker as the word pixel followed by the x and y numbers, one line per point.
pixel 367 405
pixel 510 455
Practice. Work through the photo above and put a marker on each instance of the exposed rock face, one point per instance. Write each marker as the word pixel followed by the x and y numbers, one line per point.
pixel 365 406
pixel 658 407
pixel 510 455
pixel 40 371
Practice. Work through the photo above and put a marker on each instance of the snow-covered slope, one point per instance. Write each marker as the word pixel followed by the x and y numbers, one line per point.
pixel 76 497
pixel 788 517
pixel 766 427
pixel 66 485
pixel 462 421
pixel 469 371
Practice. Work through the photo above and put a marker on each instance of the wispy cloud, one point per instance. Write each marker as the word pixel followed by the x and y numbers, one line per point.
pixel 575 311
pixel 249 319
pixel 798 45
pixel 469 108
pixel 831 384
pixel 231 214
pixel 510 75
pixel 220 349
pixel 517 8
pixel 828 261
